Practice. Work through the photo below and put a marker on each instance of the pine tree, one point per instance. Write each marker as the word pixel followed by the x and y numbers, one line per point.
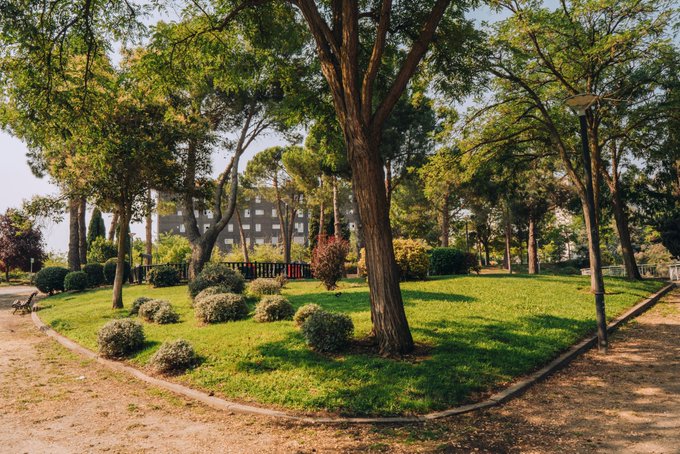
pixel 96 228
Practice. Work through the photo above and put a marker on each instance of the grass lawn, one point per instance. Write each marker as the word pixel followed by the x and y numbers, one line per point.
pixel 484 331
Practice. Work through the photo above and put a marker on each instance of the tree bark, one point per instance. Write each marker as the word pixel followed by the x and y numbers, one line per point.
pixel 621 218
pixel 82 231
pixel 445 223
pixel 242 234
pixel 508 238
pixel 118 281
pixel 359 226
pixel 532 247
pixel 322 228
pixel 337 227
pixel 113 226
pixel 149 238
pixel 74 235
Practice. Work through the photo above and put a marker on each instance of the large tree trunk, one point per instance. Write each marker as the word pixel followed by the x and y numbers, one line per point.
pixel 359 226
pixel 532 247
pixel 387 308
pixel 113 226
pixel 201 251
pixel 118 281
pixel 445 223
pixel 322 228
pixel 149 233
pixel 82 231
pixel 337 226
pixel 242 234
pixel 73 234
pixel 621 217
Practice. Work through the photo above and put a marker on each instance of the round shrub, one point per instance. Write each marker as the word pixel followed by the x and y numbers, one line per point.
pixel 166 315
pixel 304 312
pixel 120 337
pixel 328 332
pixel 448 260
pixel 411 256
pixel 95 274
pixel 75 281
pixel 164 276
pixel 262 286
pixel 136 304
pixel 210 291
pixel 110 271
pixel 148 309
pixel 273 308
pixel 51 279
pixel 173 356
pixel 214 274
pixel 224 307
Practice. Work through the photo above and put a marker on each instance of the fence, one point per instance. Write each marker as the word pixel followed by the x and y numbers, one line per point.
pixel 674 272
pixel 662 271
pixel 250 270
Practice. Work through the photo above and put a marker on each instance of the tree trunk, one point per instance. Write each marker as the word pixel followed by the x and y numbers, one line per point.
pixel 532 247
pixel 487 254
pixel 118 281
pixel 358 224
pixel 621 218
pixel 82 231
pixel 445 223
pixel 388 182
pixel 242 234
pixel 322 228
pixel 113 226
pixel 387 308
pixel 73 234
pixel 508 238
pixel 337 228
pixel 7 274
pixel 201 252
pixel 149 238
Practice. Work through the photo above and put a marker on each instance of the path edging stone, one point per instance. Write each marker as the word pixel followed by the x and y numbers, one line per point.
pixel 515 389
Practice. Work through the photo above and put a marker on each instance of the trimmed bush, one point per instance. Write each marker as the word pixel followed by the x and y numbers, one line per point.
pixel 262 286
pixel 174 356
pixel 328 332
pixel 273 308
pixel 166 315
pixel 51 279
pixel 328 261
pixel 224 307
pixel 163 276
pixel 149 309
pixel 217 274
pixel 136 304
pixel 75 281
pixel 110 271
pixel 448 260
pixel 304 312
pixel 281 279
pixel 412 259
pixel 210 291
pixel 95 274
pixel 120 337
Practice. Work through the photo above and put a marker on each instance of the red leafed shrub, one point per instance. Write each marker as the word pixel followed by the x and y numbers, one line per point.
pixel 328 260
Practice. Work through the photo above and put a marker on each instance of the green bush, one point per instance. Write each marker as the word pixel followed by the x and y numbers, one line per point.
pixel 120 337
pixel 75 281
pixel 100 250
pixel 328 332
pixel 51 279
pixel 173 357
pixel 217 274
pixel 448 260
pixel 166 315
pixel 224 307
pixel 136 304
pixel 273 308
pixel 304 312
pixel 210 291
pixel 149 309
pixel 163 276
pixel 110 271
pixel 262 286
pixel 411 256
pixel 95 274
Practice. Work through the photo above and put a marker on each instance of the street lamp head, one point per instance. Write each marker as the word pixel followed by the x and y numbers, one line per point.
pixel 580 103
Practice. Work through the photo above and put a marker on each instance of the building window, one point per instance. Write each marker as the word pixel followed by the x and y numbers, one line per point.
pixel 258 227
pixel 246 213
pixel 230 227
pixel 352 226
pixel 301 214
pixel 258 199
pixel 273 212
pixel 179 212
pixel 275 240
pixel 246 226
pixel 259 240
pixel 182 229
pixel 259 212
pixel 206 227
pixel 300 227
pixel 299 239
pixel 276 226
pixel 195 213
pixel 209 213
pixel 228 241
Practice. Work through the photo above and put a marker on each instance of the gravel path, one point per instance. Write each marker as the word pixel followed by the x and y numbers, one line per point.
pixel 54 401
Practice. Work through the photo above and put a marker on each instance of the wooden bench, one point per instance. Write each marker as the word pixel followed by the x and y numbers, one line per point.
pixel 24 306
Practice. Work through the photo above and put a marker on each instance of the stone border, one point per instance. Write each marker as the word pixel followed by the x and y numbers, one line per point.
pixel 498 398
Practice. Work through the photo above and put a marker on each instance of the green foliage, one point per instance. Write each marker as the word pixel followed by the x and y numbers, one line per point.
pixel 262 286
pixel 210 291
pixel 328 261
pixel 304 312
pixel 412 257
pixel 149 309
pixel 173 357
pixel 163 276
pixel 51 279
pixel 273 308
pixel 96 229
pixel 165 315
pixel 120 337
pixel 100 250
pixel 450 261
pixel 225 307
pixel 217 274
pixel 19 242
pixel 110 271
pixel 328 332
pixel 172 249
pixel 95 274
pixel 136 304
pixel 76 281
pixel 266 253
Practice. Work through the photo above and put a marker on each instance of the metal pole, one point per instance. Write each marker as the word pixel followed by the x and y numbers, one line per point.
pixel 597 283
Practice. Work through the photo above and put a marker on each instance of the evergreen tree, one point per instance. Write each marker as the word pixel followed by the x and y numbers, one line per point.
pixel 96 228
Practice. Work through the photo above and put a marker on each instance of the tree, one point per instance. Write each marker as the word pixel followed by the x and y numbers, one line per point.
pixel 20 242
pixel 97 229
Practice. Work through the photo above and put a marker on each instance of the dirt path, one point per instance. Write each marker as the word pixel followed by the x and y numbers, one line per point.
pixel 53 401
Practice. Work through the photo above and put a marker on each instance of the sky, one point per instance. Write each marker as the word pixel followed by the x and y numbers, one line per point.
pixel 17 182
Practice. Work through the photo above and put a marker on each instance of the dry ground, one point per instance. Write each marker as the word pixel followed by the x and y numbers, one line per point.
pixel 629 401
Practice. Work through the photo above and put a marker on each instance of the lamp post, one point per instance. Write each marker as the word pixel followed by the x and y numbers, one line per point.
pixel 580 105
